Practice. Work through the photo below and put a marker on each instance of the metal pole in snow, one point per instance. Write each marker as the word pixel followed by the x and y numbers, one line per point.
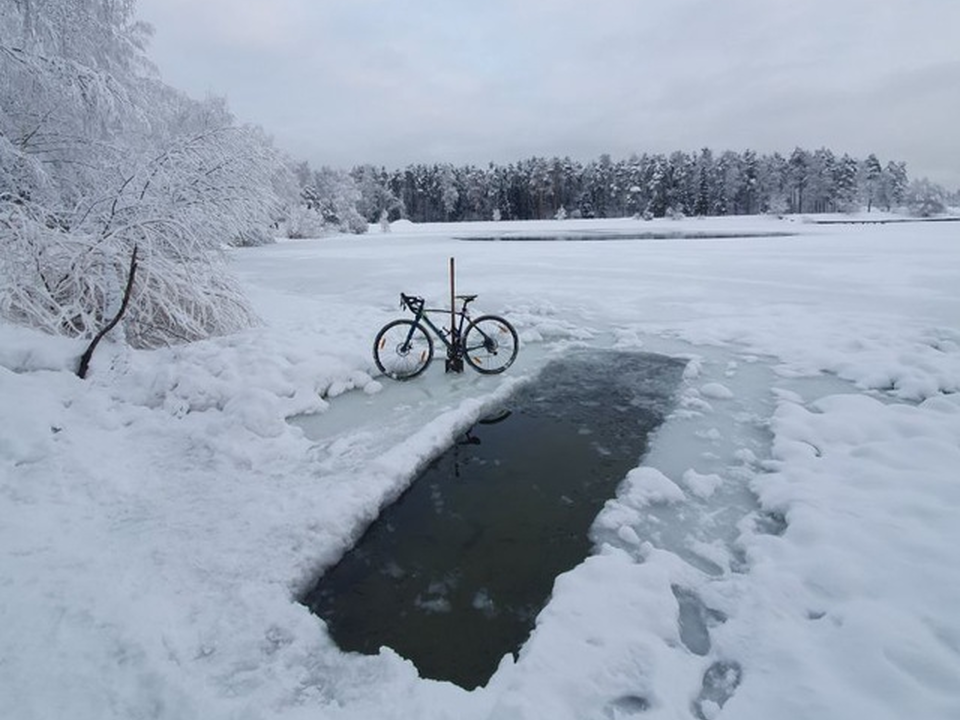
pixel 453 298
pixel 454 356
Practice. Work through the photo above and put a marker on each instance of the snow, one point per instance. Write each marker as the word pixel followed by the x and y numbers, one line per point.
pixel 716 390
pixel 647 485
pixel 786 549
pixel 702 485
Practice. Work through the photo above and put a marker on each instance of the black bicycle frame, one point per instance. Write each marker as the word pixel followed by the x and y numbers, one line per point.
pixel 454 346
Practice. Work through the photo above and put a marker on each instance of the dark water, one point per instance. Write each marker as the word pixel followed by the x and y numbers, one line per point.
pixel 602 236
pixel 452 575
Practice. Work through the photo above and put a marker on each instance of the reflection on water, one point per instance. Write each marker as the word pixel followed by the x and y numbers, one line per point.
pixel 452 575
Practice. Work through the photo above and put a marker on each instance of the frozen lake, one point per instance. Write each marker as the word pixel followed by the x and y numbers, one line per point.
pixel 162 520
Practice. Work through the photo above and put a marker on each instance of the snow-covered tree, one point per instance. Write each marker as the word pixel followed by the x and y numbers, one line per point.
pixel 338 198
pixel 798 174
pixel 179 207
pixel 924 198
pixel 97 159
pixel 774 184
pixel 871 180
pixel 658 188
pixel 684 174
pixel 952 200
pixel 821 190
pixel 746 197
pixel 894 184
pixel 705 170
pixel 845 184
pixel 475 197
pixel 731 182
pixel 374 195
pixel 449 191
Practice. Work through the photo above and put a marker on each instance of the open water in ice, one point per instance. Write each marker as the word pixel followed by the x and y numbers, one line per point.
pixel 453 574
pixel 606 236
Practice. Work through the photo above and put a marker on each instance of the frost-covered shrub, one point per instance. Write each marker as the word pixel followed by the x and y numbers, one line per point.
pixel 353 222
pixel 253 237
pixel 64 269
pixel 71 283
pixel 924 198
pixel 333 195
pixel 304 222
pixel 97 158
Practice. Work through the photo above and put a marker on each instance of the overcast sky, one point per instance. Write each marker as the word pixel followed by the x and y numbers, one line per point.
pixel 391 82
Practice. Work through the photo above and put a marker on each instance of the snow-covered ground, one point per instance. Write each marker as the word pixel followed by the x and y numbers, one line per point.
pixel 788 548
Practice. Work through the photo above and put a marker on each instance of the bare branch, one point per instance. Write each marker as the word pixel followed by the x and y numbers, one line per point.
pixel 87 356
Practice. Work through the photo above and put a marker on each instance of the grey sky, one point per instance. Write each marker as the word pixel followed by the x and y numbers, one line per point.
pixel 341 82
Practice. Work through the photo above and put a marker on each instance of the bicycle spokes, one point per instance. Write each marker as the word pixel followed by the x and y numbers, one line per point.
pixel 402 349
pixel 490 344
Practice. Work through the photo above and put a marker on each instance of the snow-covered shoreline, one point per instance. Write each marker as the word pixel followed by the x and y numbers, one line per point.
pixel 158 521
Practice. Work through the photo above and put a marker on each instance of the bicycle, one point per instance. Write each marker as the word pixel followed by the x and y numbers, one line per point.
pixel 403 348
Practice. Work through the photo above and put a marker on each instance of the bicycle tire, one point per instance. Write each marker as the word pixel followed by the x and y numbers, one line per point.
pixel 490 344
pixel 402 349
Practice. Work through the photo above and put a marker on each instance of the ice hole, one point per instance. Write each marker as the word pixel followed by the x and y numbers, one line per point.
pixel 452 575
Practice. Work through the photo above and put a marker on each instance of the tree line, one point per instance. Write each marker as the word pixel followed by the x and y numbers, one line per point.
pixel 648 185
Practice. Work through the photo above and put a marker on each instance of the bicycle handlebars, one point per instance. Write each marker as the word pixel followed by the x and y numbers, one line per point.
pixel 415 302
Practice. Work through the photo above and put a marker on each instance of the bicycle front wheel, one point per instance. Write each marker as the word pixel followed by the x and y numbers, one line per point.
pixel 402 349
pixel 490 344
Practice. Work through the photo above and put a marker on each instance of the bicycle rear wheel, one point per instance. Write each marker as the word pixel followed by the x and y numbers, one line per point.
pixel 402 349
pixel 490 344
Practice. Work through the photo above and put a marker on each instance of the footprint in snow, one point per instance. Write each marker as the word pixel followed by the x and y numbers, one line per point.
pixel 626 706
pixel 719 683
